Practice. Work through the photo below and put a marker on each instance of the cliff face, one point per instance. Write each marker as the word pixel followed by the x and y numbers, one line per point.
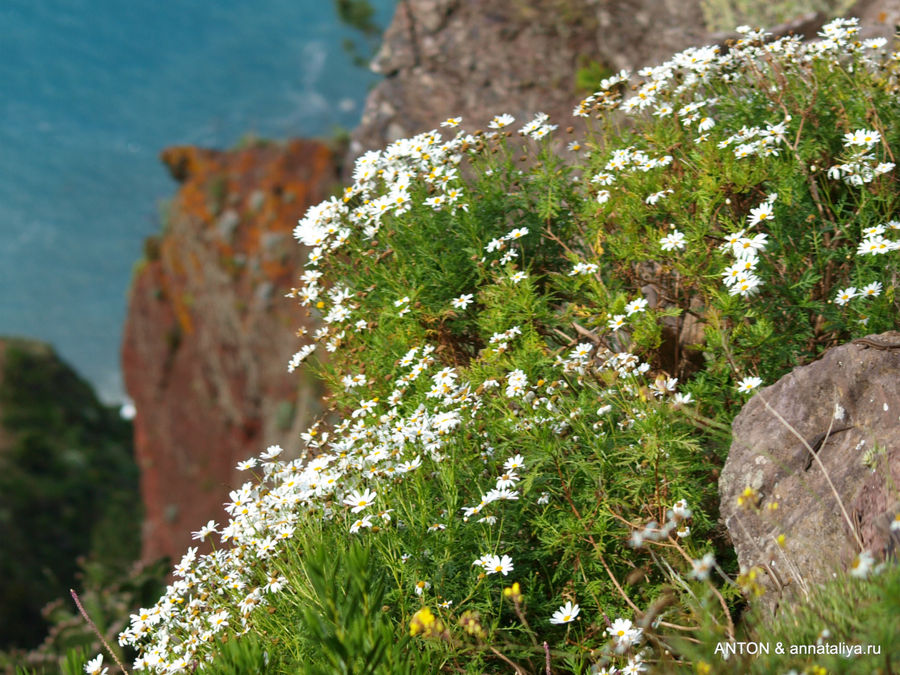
pixel 209 333
pixel 480 58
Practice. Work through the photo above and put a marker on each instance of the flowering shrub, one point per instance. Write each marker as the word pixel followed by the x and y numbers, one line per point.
pixel 533 365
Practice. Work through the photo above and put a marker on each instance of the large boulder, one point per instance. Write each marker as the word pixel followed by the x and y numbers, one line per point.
pixel 878 18
pixel 479 58
pixel 829 507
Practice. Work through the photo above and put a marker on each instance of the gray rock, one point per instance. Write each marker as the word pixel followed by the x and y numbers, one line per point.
pixel 828 507
pixel 878 18
pixel 480 58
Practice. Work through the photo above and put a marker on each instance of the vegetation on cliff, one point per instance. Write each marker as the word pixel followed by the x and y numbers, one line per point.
pixel 359 15
pixel 68 489
pixel 533 367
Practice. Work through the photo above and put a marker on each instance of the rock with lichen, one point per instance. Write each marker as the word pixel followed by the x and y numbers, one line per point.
pixel 799 518
pixel 209 334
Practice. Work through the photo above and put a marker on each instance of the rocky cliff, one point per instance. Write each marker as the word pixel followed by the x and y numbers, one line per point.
pixel 478 58
pixel 209 332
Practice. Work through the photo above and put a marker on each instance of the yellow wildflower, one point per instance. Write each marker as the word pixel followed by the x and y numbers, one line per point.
pixel 426 623
pixel 513 592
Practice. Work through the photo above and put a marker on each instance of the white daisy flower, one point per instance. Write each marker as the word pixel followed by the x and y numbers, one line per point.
pixel 565 614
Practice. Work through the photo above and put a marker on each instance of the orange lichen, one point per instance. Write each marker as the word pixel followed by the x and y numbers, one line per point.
pixel 196 320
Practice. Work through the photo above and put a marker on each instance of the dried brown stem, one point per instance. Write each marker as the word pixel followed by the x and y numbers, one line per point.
pixel 519 670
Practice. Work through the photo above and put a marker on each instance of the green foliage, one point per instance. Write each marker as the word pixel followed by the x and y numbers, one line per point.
pixel 723 15
pixel 72 664
pixel 360 16
pixel 108 595
pixel 589 75
pixel 534 366
pixel 842 615
pixel 243 656
pixel 68 488
pixel 345 620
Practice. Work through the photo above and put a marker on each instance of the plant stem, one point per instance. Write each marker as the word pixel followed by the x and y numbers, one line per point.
pixel 96 630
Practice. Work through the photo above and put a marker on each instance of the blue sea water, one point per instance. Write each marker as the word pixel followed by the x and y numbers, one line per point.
pixel 91 91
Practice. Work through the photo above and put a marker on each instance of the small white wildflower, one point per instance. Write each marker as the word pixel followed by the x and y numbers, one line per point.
pixel 845 295
pixel 616 322
pixel 862 565
pixel 672 241
pixel 247 464
pixel 635 306
pixel 748 384
pixel 656 196
pixel 862 138
pixel 205 531
pixel 706 123
pixel 499 565
pixel 501 121
pixel 360 500
pixel 874 246
pixel 514 462
pixel 744 285
pixel 760 213
pixel 95 666
pixel 625 634
pixel 681 399
pixel 872 290
pixel 702 567
pixel 565 614
pixel 517 277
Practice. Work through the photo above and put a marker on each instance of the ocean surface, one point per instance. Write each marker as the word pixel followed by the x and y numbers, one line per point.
pixel 91 91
